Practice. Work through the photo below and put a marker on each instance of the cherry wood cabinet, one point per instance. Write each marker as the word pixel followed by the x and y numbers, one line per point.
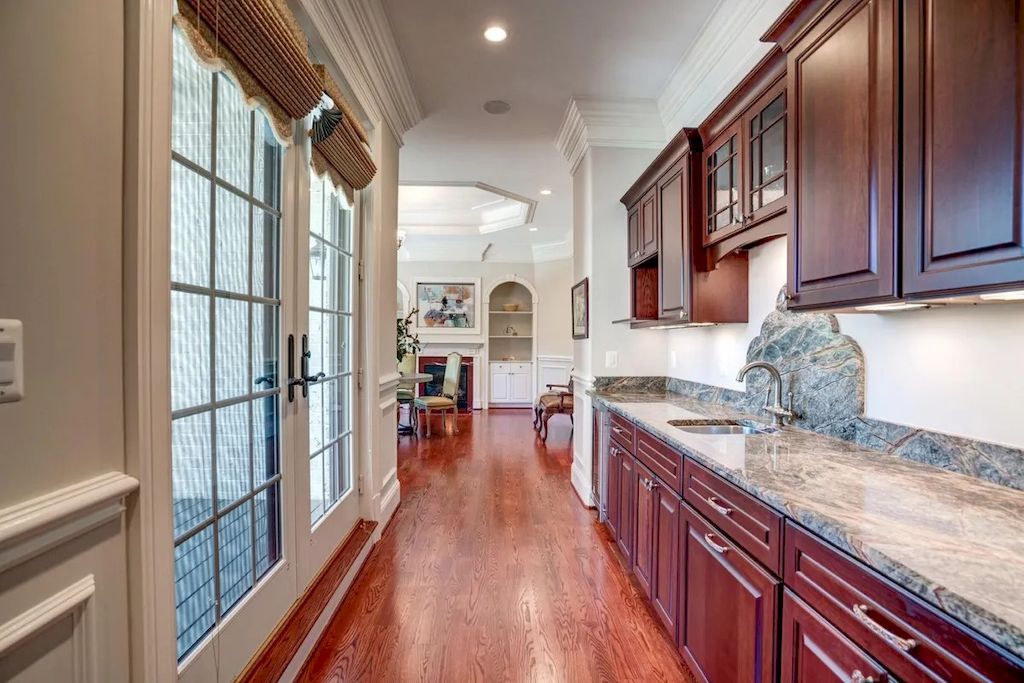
pixel 612 506
pixel 842 75
pixel 674 202
pixel 727 606
pixel 665 564
pixel 814 651
pixel 963 146
pixel 744 174
pixel 625 529
pixel 643 511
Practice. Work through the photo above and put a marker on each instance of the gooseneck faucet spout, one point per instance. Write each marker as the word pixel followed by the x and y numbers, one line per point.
pixel 778 412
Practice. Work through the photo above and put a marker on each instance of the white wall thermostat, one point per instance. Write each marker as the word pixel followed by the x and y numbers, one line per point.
pixel 12 381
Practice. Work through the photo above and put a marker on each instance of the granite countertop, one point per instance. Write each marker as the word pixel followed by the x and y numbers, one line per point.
pixel 955 541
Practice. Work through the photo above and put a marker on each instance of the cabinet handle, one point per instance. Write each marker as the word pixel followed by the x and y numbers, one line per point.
pixel 619 430
pixel 713 502
pixel 858 677
pixel 720 549
pixel 901 644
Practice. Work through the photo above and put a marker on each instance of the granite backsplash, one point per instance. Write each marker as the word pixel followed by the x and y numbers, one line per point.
pixel 824 369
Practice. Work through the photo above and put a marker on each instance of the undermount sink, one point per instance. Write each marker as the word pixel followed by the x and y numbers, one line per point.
pixel 717 427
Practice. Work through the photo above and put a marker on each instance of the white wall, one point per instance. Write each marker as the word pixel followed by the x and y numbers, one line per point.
pixel 554 280
pixel 62 79
pixel 957 370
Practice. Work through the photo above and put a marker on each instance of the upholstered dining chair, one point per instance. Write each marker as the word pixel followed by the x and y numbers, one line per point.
pixel 407 390
pixel 557 400
pixel 446 401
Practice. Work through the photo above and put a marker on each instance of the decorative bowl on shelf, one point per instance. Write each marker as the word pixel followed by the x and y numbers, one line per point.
pixel 510 308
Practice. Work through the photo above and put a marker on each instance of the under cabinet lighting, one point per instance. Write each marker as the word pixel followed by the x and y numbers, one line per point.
pixel 1017 295
pixel 681 326
pixel 884 308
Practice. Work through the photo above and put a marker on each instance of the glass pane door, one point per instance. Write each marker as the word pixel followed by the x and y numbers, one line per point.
pixel 331 277
pixel 225 351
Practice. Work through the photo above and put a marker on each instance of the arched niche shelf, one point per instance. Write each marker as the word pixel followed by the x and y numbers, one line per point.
pixel 511 327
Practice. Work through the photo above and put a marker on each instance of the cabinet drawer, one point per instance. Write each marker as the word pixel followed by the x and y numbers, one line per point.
pixel 520 368
pixel 752 524
pixel 499 368
pixel 909 638
pixel 665 463
pixel 622 431
pixel 813 651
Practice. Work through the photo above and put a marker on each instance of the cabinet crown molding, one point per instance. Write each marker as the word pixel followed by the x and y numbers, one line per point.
pixel 608 122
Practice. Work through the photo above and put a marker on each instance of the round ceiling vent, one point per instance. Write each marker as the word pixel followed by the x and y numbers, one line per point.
pixel 497 107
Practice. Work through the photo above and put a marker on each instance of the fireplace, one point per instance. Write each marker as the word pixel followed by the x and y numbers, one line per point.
pixel 434 366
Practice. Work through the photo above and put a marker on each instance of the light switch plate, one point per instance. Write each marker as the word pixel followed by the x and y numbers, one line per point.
pixel 12 381
pixel 611 359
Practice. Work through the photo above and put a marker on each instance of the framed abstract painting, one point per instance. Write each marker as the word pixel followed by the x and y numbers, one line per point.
pixel 581 309
pixel 448 305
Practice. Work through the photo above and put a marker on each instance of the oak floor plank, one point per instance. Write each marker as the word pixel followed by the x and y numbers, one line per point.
pixel 490 571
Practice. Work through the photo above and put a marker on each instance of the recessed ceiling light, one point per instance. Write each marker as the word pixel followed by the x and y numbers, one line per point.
pixel 545 192
pixel 533 229
pixel 495 34
pixel 497 107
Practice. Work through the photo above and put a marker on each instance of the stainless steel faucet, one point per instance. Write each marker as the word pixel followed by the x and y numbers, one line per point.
pixel 778 412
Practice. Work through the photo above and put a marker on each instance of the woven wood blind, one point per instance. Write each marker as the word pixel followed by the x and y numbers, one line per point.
pixel 339 141
pixel 261 43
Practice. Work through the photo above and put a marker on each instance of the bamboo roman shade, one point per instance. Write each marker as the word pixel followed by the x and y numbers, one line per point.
pixel 262 45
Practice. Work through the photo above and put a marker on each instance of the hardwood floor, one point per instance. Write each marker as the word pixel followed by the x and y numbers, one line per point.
pixel 492 570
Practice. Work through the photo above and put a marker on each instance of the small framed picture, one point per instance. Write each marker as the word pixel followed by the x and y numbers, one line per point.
pixel 581 309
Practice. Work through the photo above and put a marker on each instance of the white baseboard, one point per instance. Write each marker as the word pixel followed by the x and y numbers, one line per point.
pixel 302 652
pixel 581 482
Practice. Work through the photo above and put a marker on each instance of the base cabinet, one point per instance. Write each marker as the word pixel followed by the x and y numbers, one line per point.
pixel 510 382
pixel 727 606
pixel 625 531
pixel 814 651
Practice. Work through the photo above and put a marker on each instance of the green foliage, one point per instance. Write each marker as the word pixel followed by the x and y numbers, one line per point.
pixel 407 342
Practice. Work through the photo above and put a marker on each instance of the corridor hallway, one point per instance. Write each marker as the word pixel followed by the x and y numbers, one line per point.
pixel 492 570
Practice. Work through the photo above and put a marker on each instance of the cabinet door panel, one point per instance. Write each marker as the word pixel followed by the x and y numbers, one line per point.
pixel 643 509
pixel 612 489
pixel 499 386
pixel 625 533
pixel 814 651
pixel 674 249
pixel 728 604
pixel 842 146
pixel 666 556
pixel 633 241
pixel 963 141
pixel 649 223
pixel 723 212
pixel 520 389
pixel 765 134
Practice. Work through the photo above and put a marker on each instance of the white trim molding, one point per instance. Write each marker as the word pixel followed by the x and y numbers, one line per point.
pixel 39 524
pixel 608 122
pixel 358 36
pixel 388 384
pixel 726 49
pixel 72 601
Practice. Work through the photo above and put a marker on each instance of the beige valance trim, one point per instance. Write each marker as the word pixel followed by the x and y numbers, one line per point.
pixel 262 45
pixel 323 167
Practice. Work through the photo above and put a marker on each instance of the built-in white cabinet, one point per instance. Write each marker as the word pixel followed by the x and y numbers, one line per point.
pixel 510 382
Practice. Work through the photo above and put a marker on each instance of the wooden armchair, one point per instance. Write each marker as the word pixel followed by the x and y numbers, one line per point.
pixel 557 400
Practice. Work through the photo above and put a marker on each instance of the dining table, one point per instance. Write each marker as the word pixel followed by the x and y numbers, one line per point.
pixel 409 378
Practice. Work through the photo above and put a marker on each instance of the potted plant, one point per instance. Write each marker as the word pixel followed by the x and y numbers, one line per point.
pixel 407 341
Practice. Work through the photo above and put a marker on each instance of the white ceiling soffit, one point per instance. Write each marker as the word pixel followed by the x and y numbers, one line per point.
pixel 358 37
pixel 553 251
pixel 460 208
pixel 726 49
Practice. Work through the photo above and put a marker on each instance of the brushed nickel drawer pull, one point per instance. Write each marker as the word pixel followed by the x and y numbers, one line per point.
pixel 720 549
pixel 713 502
pixel 902 644
pixel 858 677
pixel 619 430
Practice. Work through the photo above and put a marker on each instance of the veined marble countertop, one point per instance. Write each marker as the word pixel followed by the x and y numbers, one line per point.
pixel 955 541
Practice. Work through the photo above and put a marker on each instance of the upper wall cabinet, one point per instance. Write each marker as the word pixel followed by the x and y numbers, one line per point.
pixel 923 207
pixel 963 92
pixel 744 172
pixel 671 281
pixel 842 79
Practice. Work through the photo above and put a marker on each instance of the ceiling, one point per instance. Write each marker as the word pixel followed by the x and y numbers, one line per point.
pixel 556 49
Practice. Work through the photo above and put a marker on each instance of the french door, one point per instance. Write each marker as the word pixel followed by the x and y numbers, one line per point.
pixel 262 395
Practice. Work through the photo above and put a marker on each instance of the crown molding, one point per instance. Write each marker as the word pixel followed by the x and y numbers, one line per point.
pixel 358 36
pixel 608 122
pixel 727 48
